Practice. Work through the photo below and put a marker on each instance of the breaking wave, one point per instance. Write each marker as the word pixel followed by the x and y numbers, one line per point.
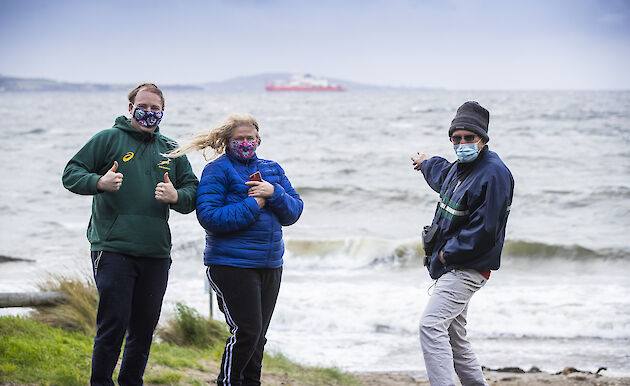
pixel 375 251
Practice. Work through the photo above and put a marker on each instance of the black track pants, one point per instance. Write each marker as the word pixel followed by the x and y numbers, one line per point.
pixel 130 291
pixel 247 297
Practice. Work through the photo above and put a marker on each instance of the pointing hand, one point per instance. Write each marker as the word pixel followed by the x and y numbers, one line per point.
pixel 165 191
pixel 417 161
pixel 110 181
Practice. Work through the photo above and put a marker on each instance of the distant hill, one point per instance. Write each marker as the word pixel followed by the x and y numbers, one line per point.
pixel 244 83
pixel 257 83
pixel 42 84
pixel 252 83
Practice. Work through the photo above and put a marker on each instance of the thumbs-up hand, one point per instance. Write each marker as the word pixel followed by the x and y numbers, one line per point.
pixel 165 191
pixel 110 181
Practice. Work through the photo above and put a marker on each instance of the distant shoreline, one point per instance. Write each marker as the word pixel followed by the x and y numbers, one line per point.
pixel 245 83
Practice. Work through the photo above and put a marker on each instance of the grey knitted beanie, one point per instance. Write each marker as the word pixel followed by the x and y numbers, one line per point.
pixel 472 117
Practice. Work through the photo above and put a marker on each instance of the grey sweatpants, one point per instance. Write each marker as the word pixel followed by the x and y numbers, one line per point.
pixel 443 330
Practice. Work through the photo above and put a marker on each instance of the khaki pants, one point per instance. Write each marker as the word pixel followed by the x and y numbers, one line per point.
pixel 445 348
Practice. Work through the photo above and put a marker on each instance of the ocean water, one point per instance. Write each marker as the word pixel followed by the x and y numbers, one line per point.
pixel 353 287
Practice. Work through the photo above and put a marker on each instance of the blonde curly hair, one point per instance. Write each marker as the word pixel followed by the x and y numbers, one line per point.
pixel 217 138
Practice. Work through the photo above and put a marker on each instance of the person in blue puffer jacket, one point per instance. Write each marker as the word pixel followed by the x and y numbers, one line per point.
pixel 242 202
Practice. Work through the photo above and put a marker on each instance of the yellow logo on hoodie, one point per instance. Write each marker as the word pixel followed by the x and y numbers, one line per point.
pixel 128 156
pixel 164 164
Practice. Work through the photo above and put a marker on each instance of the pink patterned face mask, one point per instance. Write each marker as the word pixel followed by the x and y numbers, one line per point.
pixel 243 149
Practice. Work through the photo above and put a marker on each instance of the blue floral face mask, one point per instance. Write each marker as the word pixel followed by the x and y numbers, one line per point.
pixel 466 152
pixel 243 149
pixel 148 118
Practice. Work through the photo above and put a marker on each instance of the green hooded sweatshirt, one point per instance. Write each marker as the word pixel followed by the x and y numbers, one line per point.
pixel 131 221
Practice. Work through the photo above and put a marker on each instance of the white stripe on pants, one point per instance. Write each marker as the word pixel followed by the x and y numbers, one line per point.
pixel 443 330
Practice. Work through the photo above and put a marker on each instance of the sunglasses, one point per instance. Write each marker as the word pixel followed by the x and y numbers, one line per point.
pixel 458 138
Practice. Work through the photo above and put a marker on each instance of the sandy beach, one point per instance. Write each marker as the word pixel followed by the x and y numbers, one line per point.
pixel 567 377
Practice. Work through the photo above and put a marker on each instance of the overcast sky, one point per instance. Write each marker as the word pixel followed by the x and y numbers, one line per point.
pixel 454 44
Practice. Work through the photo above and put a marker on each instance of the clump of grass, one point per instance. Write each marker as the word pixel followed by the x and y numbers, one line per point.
pixel 188 328
pixel 78 312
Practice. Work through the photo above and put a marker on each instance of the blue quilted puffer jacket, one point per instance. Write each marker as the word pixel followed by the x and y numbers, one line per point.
pixel 238 232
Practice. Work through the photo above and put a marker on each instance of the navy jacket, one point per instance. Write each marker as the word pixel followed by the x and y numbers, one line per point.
pixel 238 232
pixel 475 200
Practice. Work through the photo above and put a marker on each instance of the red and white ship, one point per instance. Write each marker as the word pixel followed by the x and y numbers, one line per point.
pixel 303 83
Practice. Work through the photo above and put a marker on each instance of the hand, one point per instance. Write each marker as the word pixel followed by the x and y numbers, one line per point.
pixel 260 201
pixel 110 181
pixel 260 189
pixel 417 161
pixel 441 257
pixel 165 191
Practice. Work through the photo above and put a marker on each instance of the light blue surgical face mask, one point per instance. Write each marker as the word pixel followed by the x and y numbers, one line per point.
pixel 466 152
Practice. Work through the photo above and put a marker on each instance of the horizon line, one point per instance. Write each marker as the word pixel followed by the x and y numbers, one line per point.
pixel 360 84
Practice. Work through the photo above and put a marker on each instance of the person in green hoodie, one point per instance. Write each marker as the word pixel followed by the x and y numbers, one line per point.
pixel 133 187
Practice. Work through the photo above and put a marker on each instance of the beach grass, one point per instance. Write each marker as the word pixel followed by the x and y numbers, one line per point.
pixel 54 346
pixel 188 328
pixel 78 312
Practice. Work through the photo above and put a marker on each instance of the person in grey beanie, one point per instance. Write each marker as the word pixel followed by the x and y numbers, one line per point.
pixel 463 243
